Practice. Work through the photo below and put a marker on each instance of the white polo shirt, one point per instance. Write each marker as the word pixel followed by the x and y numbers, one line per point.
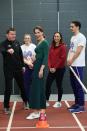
pixel 77 40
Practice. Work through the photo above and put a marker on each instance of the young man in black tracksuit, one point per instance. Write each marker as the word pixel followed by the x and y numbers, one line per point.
pixel 12 65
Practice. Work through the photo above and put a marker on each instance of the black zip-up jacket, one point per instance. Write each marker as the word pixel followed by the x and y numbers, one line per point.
pixel 12 62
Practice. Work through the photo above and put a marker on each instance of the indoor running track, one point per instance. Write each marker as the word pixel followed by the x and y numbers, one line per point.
pixel 59 119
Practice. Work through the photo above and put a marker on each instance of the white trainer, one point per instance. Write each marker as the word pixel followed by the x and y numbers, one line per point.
pixel 33 115
pixel 26 106
pixel 57 105
pixel 47 104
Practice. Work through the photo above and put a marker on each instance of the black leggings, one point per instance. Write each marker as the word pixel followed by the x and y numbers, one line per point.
pixel 58 76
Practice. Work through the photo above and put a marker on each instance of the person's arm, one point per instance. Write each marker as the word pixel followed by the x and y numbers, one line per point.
pixel 41 71
pixel 45 54
pixel 52 70
pixel 49 58
pixel 62 57
pixel 3 50
pixel 75 56
pixel 21 55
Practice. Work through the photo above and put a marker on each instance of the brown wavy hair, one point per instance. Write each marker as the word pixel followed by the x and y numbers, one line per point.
pixel 61 40
pixel 40 29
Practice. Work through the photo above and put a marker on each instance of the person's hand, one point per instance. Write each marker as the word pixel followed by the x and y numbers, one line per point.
pixel 52 70
pixel 33 58
pixel 30 63
pixel 41 73
pixel 69 62
pixel 23 69
pixel 10 51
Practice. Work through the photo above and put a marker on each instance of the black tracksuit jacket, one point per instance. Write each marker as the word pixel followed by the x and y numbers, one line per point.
pixel 12 62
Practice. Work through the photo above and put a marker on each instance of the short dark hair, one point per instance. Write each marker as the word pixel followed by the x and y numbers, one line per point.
pixel 77 24
pixel 10 29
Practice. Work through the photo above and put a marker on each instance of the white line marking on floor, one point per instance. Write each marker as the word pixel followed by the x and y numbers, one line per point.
pixel 59 127
pixel 11 116
pixel 75 117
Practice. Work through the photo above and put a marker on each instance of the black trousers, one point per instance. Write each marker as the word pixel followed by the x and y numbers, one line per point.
pixel 9 75
pixel 58 76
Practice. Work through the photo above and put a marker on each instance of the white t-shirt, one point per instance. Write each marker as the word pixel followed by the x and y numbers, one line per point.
pixel 28 50
pixel 77 40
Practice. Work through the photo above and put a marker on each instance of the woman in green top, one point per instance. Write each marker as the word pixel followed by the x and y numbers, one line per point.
pixel 37 94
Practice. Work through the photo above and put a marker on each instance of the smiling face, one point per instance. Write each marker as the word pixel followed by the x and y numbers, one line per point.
pixel 57 38
pixel 27 39
pixel 38 34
